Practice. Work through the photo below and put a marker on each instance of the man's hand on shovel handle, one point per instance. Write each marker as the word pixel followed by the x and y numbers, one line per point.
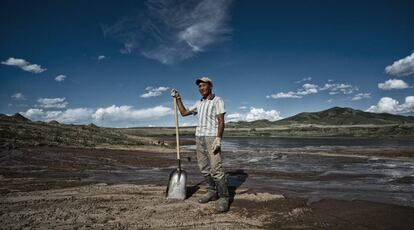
pixel 175 93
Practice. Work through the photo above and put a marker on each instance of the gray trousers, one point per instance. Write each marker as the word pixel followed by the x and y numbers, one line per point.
pixel 209 162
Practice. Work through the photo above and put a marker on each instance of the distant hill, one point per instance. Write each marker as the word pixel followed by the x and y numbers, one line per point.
pixel 346 116
pixel 332 116
pixel 252 124
pixel 17 130
pixel 17 117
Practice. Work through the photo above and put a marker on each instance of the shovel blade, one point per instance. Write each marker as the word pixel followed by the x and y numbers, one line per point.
pixel 177 185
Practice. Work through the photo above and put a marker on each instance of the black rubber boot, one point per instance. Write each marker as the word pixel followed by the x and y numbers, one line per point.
pixel 224 196
pixel 211 194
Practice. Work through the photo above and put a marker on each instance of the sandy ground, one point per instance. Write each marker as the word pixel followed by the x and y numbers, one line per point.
pixel 127 206
pixel 43 188
pixel 119 206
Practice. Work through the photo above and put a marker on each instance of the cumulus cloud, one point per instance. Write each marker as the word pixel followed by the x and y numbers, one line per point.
pixel 101 57
pixel 18 97
pixel 33 114
pixel 125 115
pixel 170 31
pixel 15 62
pixel 24 65
pixel 390 105
pixel 76 115
pixel 360 96
pixel 308 88
pixel 58 103
pixel 154 91
pixel 402 67
pixel 336 88
pixel 254 114
pixel 113 116
pixel 393 84
pixel 235 117
pixel 304 79
pixel 289 94
pixel 60 77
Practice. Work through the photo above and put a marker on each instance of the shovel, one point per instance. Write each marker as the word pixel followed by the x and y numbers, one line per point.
pixel 177 184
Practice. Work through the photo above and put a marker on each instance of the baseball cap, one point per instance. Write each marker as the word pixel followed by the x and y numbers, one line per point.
pixel 205 80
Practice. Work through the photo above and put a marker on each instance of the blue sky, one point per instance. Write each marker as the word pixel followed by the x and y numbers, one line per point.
pixel 114 63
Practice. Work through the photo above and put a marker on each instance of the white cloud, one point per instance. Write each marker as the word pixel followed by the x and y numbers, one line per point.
pixel 18 97
pixel 254 114
pixel 112 116
pixel 33 68
pixel 393 84
pixel 122 116
pixel 402 67
pixel 170 31
pixel 308 88
pixel 243 107
pixel 47 103
pixel 72 115
pixel 76 115
pixel 390 105
pixel 101 57
pixel 260 113
pixel 336 88
pixel 24 65
pixel 15 62
pixel 33 114
pixel 235 117
pixel 304 79
pixel 154 92
pixel 360 96
pixel 60 77
pixel 289 94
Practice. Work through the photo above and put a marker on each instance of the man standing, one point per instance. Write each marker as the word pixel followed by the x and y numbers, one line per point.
pixel 210 127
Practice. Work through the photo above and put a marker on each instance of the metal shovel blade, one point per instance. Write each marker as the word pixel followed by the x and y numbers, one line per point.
pixel 177 185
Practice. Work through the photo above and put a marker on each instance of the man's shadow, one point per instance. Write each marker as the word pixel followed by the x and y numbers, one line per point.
pixel 234 180
pixel 193 189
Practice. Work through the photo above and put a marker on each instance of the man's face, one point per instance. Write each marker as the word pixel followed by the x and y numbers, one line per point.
pixel 204 88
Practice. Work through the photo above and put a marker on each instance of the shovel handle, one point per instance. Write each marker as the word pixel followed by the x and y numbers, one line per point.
pixel 177 136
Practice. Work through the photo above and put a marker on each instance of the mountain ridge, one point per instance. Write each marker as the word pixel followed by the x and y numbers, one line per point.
pixel 333 116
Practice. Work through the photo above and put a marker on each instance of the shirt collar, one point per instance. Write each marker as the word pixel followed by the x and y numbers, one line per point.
pixel 211 98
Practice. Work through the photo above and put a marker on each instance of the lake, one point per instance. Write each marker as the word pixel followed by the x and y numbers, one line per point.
pixel 298 167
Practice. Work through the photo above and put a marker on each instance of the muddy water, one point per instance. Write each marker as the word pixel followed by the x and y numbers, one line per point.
pixel 311 168
pixel 301 167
